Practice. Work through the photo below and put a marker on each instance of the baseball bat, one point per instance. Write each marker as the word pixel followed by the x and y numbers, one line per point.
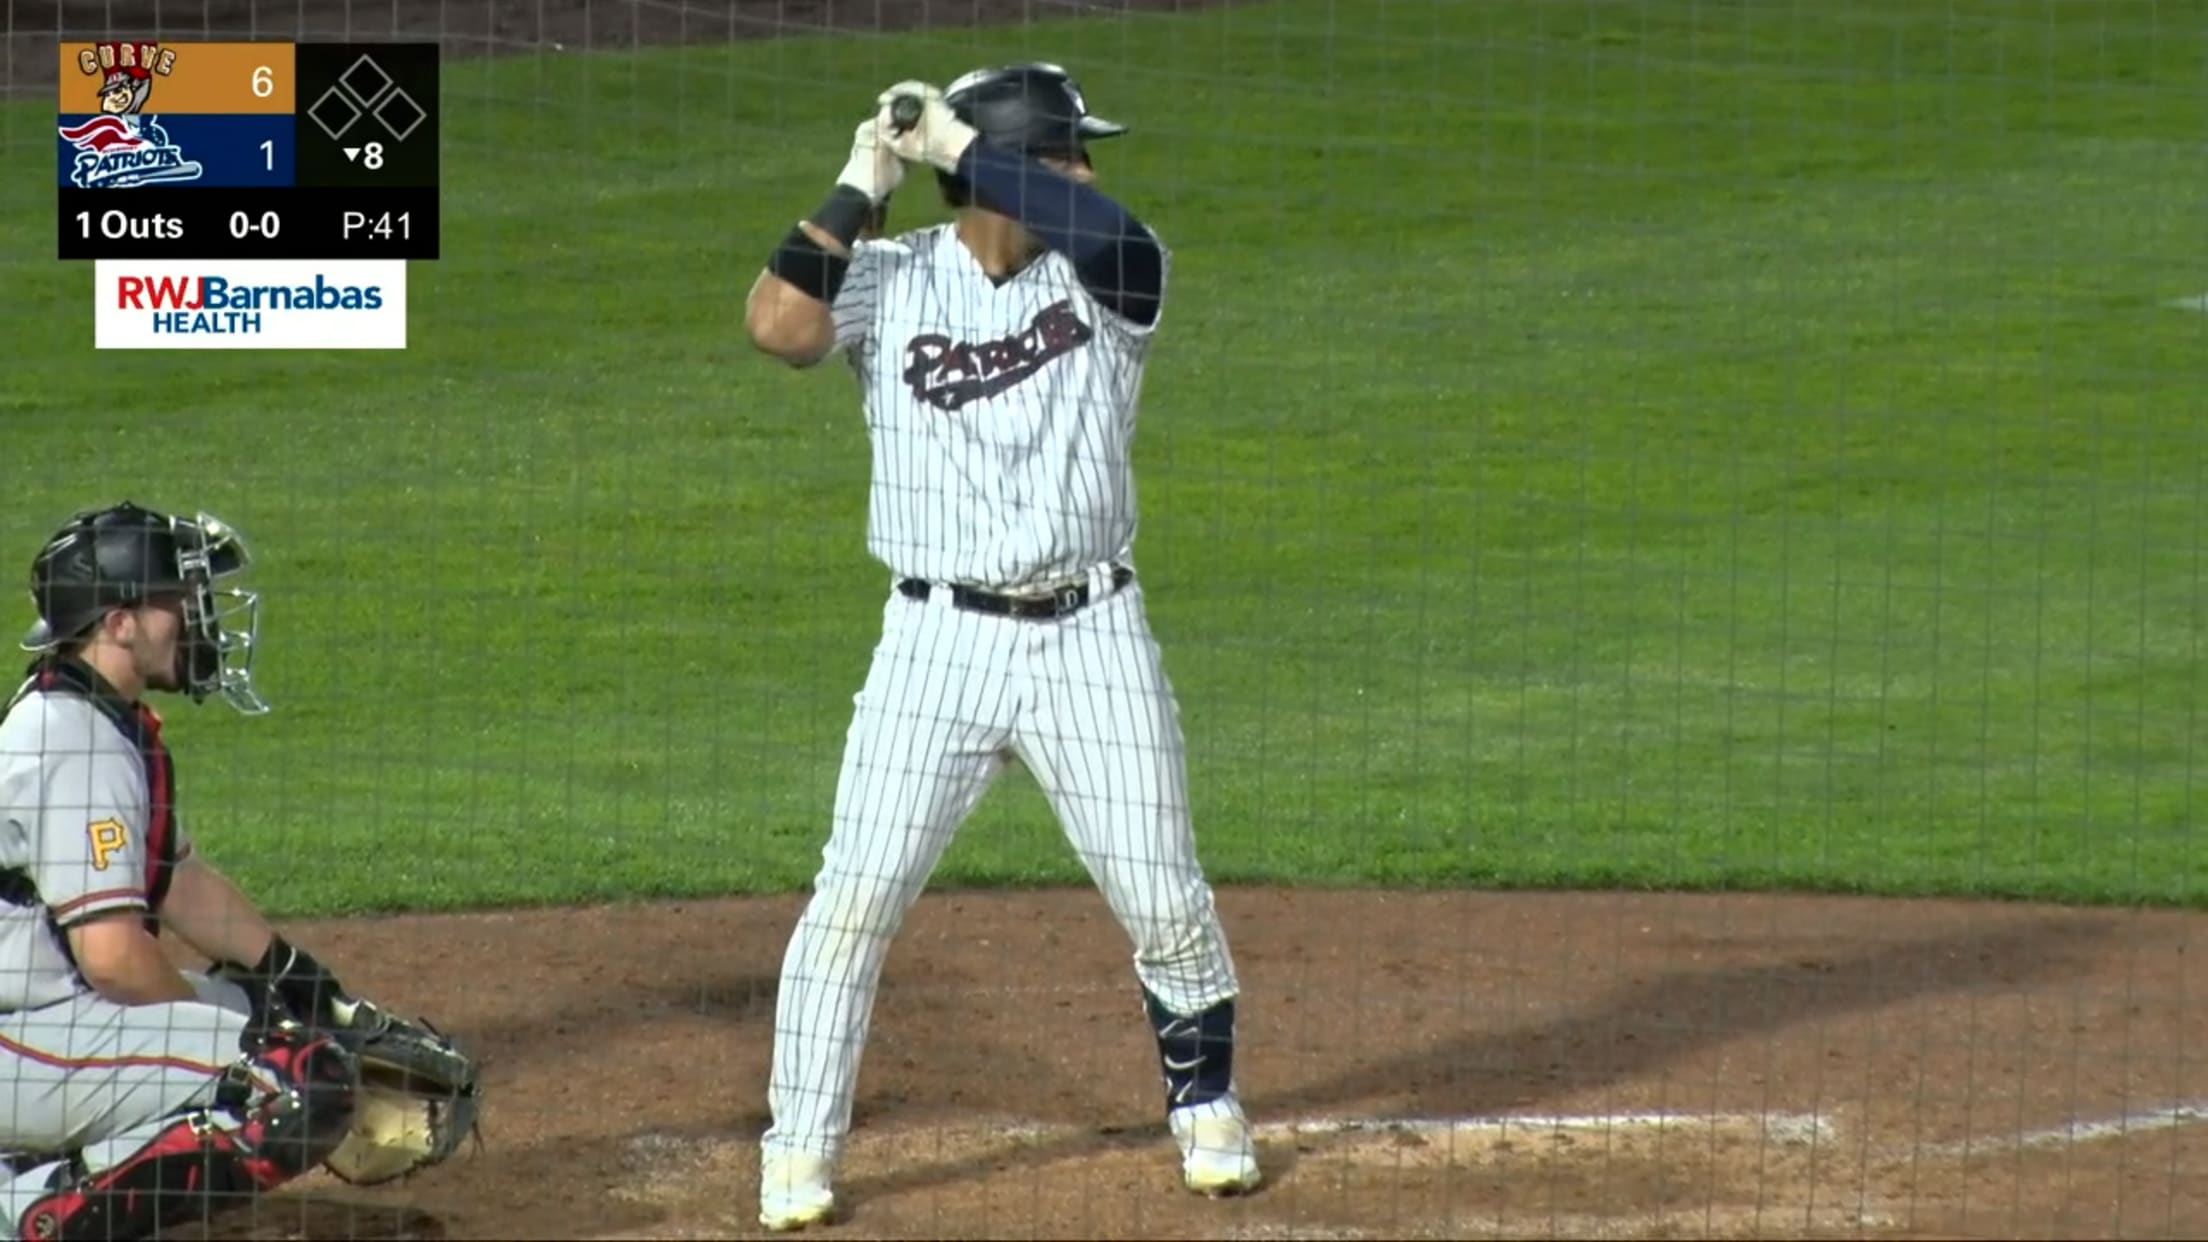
pixel 904 113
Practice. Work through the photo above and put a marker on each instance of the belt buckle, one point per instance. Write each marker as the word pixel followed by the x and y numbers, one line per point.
pixel 1067 599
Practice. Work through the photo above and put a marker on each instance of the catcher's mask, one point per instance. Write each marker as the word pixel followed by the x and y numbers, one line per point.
pixel 126 555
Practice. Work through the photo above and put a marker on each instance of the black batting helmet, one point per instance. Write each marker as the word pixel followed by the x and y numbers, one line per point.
pixel 1035 107
pixel 126 555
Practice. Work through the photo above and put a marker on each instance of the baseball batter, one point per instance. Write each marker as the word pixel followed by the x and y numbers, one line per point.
pixel 138 1095
pixel 999 358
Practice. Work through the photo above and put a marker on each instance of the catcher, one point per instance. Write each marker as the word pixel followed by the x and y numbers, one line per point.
pixel 140 1096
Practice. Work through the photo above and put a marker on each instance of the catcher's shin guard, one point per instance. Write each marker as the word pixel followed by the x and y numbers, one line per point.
pixel 192 1169
pixel 211 1159
pixel 312 1110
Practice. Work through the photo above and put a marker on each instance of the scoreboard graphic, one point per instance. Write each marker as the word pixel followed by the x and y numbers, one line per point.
pixel 190 171
pixel 247 150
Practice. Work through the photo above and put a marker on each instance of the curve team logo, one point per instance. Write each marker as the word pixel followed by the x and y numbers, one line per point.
pixel 121 145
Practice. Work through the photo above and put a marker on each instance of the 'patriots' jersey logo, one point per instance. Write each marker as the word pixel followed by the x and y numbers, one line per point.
pixel 947 374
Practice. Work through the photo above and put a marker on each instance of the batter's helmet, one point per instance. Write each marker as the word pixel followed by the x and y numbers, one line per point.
pixel 126 555
pixel 1034 107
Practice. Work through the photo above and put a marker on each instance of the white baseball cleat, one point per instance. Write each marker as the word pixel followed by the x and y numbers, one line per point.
pixel 1217 1156
pixel 794 1190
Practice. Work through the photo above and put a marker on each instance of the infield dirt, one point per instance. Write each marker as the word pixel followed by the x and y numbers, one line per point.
pixel 1829 1066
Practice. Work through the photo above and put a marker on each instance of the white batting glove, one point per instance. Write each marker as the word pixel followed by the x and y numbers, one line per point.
pixel 874 169
pixel 936 136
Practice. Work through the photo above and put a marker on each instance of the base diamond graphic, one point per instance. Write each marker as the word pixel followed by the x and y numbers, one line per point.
pixel 400 114
pixel 340 113
pixel 364 81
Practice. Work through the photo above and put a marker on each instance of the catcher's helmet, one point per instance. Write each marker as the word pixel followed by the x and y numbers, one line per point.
pixel 125 555
pixel 1034 107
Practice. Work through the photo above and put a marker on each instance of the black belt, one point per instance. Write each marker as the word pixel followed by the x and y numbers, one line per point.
pixel 1064 601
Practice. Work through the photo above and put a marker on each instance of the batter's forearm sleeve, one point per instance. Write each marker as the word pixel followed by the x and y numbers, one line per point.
pixel 1117 257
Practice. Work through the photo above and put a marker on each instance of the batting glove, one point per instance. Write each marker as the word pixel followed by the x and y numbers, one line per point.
pixel 874 169
pixel 936 136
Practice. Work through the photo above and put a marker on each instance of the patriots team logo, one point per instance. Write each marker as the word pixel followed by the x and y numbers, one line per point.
pixel 121 146
pixel 118 151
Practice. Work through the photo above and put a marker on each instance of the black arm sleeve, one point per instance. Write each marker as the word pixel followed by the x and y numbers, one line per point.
pixel 289 976
pixel 1117 257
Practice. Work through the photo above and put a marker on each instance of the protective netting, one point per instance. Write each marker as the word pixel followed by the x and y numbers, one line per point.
pixel 1607 471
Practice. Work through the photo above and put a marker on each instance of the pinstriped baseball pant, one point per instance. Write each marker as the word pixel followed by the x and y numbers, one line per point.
pixel 1084 703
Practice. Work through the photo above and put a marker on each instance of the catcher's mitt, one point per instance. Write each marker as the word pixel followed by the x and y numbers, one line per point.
pixel 418 1096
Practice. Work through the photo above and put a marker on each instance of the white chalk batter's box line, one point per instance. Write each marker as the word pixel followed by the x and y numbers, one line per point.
pixel 1791 1129
pixel 1780 1127
pixel 1788 1128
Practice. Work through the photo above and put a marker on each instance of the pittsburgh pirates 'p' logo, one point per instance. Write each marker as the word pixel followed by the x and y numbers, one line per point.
pixel 108 837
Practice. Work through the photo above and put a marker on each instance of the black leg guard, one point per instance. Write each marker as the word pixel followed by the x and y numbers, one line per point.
pixel 298 1127
pixel 1196 1052
pixel 190 1171
pixel 214 1159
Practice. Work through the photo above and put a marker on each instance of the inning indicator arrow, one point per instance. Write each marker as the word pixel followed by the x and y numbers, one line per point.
pixel 352 153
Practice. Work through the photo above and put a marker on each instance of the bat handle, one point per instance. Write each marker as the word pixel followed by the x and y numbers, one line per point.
pixel 904 113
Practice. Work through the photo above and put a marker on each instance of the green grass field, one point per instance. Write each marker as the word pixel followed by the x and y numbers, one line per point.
pixel 1671 443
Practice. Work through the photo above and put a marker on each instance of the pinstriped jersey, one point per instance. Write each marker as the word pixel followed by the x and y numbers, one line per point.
pixel 85 825
pixel 1001 415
